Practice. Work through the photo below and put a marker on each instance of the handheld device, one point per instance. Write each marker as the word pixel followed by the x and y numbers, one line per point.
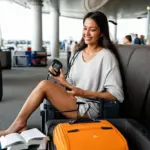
pixel 56 65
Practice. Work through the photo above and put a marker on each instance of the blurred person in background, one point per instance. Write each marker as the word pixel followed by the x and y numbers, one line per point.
pixel 142 38
pixel 74 48
pixel 137 39
pixel 127 40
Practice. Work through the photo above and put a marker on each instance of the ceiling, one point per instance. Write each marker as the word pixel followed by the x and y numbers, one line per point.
pixel 112 8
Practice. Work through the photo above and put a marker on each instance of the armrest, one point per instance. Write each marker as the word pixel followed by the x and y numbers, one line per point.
pixel 137 135
pixel 45 105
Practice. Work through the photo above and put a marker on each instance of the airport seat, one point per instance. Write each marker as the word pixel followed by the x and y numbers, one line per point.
pixel 135 64
pixel 5 57
pixel 137 136
pixel 136 78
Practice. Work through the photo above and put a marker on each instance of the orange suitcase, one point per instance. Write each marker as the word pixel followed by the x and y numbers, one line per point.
pixel 100 135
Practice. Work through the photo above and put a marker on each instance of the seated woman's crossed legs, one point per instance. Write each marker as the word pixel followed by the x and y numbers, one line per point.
pixel 54 93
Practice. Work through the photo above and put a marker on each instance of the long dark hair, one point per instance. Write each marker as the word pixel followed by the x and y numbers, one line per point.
pixel 104 40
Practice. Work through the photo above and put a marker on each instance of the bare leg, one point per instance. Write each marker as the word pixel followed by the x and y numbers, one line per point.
pixel 45 89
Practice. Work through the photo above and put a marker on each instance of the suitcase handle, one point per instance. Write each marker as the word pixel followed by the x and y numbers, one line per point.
pixel 83 120
pixel 78 119
pixel 78 103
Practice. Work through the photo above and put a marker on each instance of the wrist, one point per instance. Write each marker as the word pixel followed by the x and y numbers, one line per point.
pixel 63 82
pixel 66 84
pixel 82 93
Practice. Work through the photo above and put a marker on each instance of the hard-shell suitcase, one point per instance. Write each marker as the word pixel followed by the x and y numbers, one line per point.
pixel 88 135
pixel 136 135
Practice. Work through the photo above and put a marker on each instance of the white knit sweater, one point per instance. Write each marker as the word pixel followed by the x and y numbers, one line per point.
pixel 99 74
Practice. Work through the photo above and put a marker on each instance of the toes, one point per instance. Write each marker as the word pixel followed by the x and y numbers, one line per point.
pixel 3 132
pixel 23 129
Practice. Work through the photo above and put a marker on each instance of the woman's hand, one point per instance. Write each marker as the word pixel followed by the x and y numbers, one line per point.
pixel 60 78
pixel 76 92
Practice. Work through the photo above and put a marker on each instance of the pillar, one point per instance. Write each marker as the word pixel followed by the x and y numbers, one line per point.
pixel 113 27
pixel 1 44
pixel 54 42
pixel 148 25
pixel 36 8
pixel 115 33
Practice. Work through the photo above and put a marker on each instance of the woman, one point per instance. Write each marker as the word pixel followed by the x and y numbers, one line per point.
pixel 142 39
pixel 128 40
pixel 74 47
pixel 94 74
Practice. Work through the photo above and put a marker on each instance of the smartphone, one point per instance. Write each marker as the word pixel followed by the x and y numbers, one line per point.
pixel 56 65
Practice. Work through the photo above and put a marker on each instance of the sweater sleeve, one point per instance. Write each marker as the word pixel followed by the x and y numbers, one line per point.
pixel 113 83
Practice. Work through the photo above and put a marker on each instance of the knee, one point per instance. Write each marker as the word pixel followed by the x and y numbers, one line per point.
pixel 44 84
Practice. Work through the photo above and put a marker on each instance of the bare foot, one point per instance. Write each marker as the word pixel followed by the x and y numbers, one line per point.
pixel 23 129
pixel 17 126
pixel 3 132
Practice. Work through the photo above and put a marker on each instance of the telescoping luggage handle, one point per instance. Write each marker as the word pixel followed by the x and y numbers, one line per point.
pixel 80 119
